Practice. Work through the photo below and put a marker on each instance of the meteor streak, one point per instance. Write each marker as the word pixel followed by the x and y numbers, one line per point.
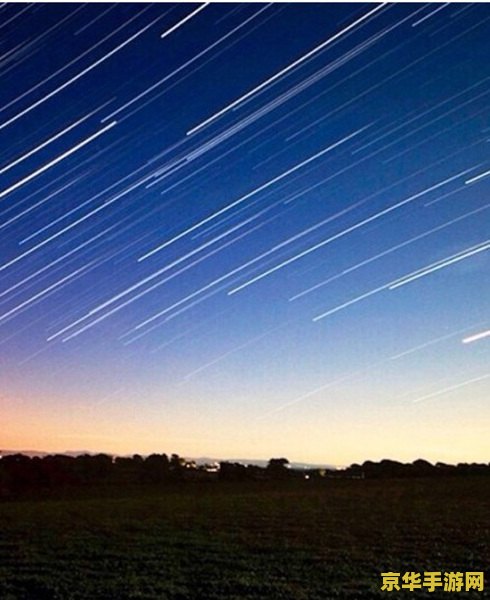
pixel 431 342
pixel 476 337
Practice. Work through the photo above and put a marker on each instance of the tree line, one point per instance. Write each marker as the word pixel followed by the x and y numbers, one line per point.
pixel 21 474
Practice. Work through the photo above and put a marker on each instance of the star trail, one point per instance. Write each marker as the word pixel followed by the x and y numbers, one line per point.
pixel 265 225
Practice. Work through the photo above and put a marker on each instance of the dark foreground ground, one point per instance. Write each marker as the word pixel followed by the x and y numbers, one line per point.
pixel 284 540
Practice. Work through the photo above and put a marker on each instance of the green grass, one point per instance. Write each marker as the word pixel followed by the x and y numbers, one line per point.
pixel 284 540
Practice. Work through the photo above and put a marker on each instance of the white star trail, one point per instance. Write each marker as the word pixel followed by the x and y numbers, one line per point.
pixel 55 285
pixel 46 142
pixel 55 161
pixel 78 76
pixel 233 351
pixel 322 388
pixel 478 177
pixel 253 193
pixel 423 272
pixel 54 221
pixel 182 67
pixel 167 268
pixel 74 224
pixel 355 300
pixel 16 16
pixel 24 51
pixel 159 160
pixel 347 231
pixel 184 20
pixel 136 286
pixel 54 262
pixel 389 251
pixel 429 15
pixel 282 72
pixel 94 20
pixel 440 265
pixel 68 65
pixel 37 204
pixel 451 388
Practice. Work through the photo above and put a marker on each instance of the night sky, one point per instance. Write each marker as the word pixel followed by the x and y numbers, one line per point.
pixel 246 230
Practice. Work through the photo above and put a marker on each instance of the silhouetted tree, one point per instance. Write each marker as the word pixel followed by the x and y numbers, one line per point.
pixel 177 465
pixel 278 468
pixel 232 471
pixel 422 468
pixel 156 468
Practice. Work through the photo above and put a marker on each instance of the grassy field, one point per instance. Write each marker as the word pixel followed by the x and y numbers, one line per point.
pixel 284 540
